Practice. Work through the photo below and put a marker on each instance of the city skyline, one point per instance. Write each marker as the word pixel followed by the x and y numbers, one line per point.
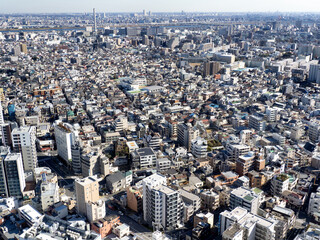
pixel 73 6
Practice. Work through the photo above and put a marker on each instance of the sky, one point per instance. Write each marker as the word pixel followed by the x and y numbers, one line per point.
pixel 81 6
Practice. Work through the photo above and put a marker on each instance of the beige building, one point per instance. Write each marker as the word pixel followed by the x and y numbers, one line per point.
pixel 87 190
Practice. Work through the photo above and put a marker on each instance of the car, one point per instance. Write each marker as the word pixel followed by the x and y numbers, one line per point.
pixel 60 164
pixel 120 213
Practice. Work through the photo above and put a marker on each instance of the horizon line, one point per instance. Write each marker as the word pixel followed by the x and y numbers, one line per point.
pixel 127 12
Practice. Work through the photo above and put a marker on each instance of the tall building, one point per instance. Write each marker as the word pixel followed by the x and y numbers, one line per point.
pixel 23 48
pixel 65 136
pixel 257 123
pixel 161 204
pixel 4 151
pixel 6 137
pixel 314 73
pixel 271 114
pixel 24 141
pixel 96 210
pixel 186 133
pixel 87 190
pixel 211 68
pixel 1 114
pixel 76 158
pixel 14 174
pixel 314 131
pixel 90 161
pixel 145 40
pixel 279 184
pixel 94 21
pixel 49 194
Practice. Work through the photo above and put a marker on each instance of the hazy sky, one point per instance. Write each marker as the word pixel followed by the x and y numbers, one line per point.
pixel 58 6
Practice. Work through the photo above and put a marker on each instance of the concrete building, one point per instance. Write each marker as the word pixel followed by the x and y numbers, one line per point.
pixel 4 151
pixel 257 123
pixel 186 133
pixel 206 218
pixel 199 147
pixel 24 141
pixel 91 161
pixel 30 215
pixel 76 159
pixel 12 170
pixel 191 204
pixel 6 137
pixel 161 204
pixel 49 194
pixel 118 181
pixel 163 164
pixel 271 114
pixel 314 131
pixel 245 136
pixel 245 163
pixel 95 210
pixel 279 184
pixel 144 158
pixel 245 198
pixel 87 190
pixel 236 150
pixel 65 136
pixel 209 200
pixel 250 226
pixel 314 205
pixel 314 73
pixel 134 199
pixel 121 230
pixel 1 114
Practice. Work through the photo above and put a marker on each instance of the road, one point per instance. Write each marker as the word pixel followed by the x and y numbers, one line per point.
pixel 65 177
pixel 137 229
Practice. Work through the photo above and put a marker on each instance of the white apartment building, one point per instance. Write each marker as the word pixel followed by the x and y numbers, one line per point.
pixel 65 136
pixel 271 114
pixel 245 136
pixel 279 184
pixel 163 164
pixel 249 226
pixel 236 150
pixel 24 141
pixel 161 204
pixel 199 147
pixel 96 210
pixel 121 124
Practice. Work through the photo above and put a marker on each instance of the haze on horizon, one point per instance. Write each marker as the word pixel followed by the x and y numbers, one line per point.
pixel 81 6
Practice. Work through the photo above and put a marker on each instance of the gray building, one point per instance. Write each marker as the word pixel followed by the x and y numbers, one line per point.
pixel 116 182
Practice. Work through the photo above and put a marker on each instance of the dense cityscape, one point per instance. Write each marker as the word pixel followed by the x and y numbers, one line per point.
pixel 158 126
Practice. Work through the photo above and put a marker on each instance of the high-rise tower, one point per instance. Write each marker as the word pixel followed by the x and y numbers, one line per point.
pixel 95 20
